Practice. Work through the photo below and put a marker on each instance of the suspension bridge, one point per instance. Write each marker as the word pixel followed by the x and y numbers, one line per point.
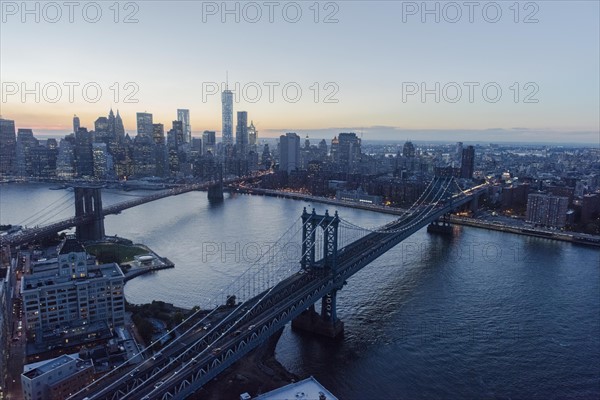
pixel 273 291
pixel 89 212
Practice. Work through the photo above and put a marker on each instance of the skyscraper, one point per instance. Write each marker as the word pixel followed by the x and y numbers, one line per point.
pixel 76 124
pixel 289 147
pixel 144 124
pixel 241 134
pixel 26 142
pixel 84 161
pixel 158 133
pixel 467 164
pixel 252 136
pixel 8 143
pixel 183 115
pixel 227 117
pixel 349 151
pixel 119 128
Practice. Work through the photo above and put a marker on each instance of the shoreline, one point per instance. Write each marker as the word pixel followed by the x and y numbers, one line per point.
pixel 564 236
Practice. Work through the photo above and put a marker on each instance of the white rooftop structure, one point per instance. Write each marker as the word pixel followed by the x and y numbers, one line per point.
pixel 307 389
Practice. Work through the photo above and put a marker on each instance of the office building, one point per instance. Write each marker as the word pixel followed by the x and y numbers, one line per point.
pixel 289 152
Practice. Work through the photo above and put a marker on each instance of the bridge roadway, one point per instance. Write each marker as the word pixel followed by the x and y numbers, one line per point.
pixel 28 235
pixel 254 321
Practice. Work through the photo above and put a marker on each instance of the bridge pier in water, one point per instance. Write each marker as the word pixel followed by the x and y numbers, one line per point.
pixel 441 225
pixel 88 203
pixel 215 192
pixel 326 323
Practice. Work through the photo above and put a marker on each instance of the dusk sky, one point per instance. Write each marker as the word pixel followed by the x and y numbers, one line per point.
pixel 373 61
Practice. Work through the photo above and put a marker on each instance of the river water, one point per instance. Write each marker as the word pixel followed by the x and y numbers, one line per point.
pixel 482 314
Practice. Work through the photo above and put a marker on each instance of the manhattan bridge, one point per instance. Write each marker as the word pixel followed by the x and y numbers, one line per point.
pixel 271 292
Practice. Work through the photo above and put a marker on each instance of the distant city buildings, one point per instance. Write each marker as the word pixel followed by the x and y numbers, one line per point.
pixel 241 134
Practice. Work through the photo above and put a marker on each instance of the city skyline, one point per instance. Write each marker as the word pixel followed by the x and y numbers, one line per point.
pixel 355 68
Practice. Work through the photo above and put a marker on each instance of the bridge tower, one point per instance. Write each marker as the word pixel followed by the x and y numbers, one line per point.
pixel 215 192
pixel 326 323
pixel 88 204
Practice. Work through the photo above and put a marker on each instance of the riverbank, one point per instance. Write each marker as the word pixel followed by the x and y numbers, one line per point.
pixel 565 236
pixel 572 237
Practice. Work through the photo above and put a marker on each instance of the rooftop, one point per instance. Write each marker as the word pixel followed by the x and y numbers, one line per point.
pixel 307 389
pixel 93 272
pixel 34 370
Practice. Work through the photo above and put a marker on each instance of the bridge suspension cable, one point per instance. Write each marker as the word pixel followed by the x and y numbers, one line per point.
pixel 188 320
pixel 234 325
pixel 412 219
pixel 32 218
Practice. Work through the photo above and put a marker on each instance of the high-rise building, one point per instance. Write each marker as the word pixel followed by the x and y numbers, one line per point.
pixel 348 152
pixel 84 162
pixel 144 124
pixel 467 164
pixel 289 152
pixel 65 161
pixel 209 142
pixel 547 210
pixel 76 124
pixel 227 117
pixel 184 116
pixel 457 157
pixel 241 134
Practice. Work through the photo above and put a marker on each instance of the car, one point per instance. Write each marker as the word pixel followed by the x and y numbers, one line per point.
pixel 158 384
pixel 251 327
pixel 216 351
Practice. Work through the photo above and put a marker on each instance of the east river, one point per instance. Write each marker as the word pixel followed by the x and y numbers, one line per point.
pixel 483 314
